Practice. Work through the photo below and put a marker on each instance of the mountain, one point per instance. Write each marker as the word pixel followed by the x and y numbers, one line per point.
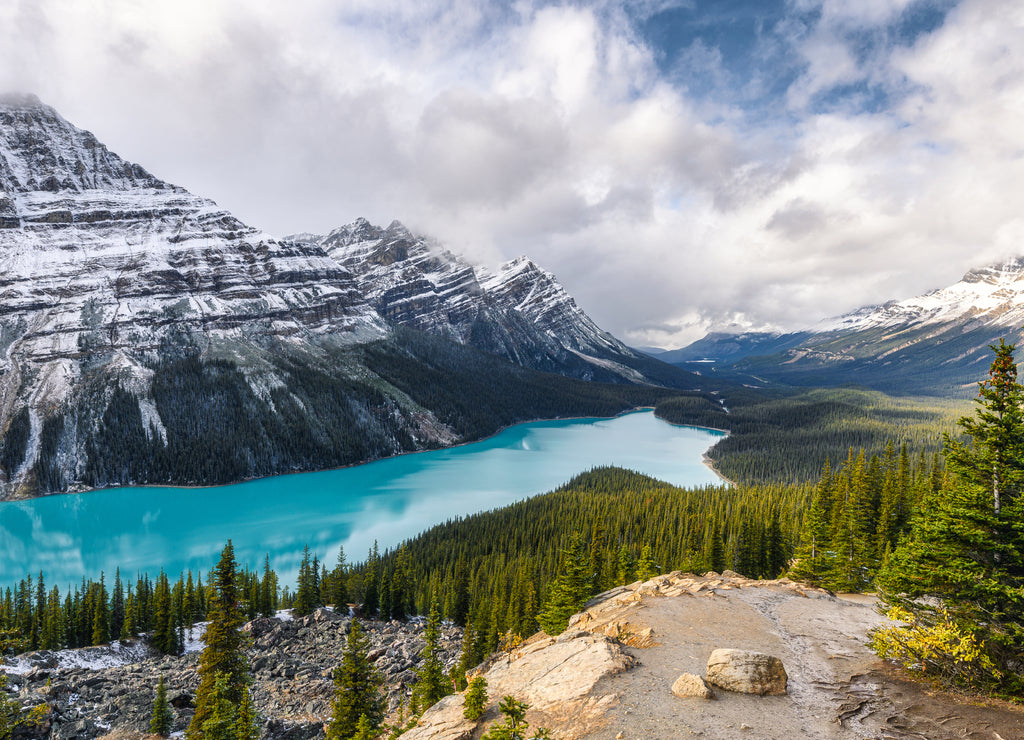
pixel 936 343
pixel 521 313
pixel 147 335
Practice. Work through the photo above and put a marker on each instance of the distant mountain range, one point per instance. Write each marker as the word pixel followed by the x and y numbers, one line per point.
pixel 936 343
pixel 148 335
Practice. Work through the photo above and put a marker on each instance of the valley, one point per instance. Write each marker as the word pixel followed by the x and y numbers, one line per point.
pixel 172 378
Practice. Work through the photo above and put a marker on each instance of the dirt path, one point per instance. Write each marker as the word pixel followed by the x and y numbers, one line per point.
pixel 838 689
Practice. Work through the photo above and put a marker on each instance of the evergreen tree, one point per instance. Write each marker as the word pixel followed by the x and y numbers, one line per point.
pixel 569 591
pixel 625 565
pixel 812 562
pixel 247 725
pixel 221 722
pixel 117 605
pixel 476 698
pixel 101 615
pixel 163 717
pixel 371 586
pixel 222 657
pixel 431 686
pixel 307 596
pixel 356 689
pixel 268 589
pixel 957 581
pixel 646 568
pixel 365 730
pixel 339 594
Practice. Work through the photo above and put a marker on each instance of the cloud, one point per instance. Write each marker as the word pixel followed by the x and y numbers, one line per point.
pixel 836 155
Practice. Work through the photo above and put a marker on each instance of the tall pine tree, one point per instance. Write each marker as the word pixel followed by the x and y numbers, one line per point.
pixel 222 658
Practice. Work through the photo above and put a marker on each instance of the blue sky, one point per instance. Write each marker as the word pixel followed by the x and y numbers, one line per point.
pixel 680 166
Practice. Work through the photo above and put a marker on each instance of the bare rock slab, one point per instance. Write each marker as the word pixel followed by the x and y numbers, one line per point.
pixel 690 686
pixel 747 672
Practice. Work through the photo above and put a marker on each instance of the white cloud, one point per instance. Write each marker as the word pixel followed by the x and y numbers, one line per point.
pixel 550 130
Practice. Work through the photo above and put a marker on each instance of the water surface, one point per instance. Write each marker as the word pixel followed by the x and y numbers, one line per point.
pixel 144 529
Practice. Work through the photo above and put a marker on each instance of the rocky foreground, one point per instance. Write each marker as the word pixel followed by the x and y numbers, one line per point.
pixel 714 656
pixel 108 692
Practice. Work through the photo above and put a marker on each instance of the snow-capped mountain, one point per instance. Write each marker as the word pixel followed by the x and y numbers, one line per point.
pixel 96 252
pixel 146 334
pixel 933 343
pixel 521 313
pixel 989 295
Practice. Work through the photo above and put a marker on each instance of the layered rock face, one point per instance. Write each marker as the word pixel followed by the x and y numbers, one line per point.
pixel 521 313
pixel 100 257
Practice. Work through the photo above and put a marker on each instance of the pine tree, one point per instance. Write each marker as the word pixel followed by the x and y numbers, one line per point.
pixel 813 558
pixel 371 585
pixel 117 605
pixel 222 657
pixel 307 597
pixel 100 615
pixel 625 565
pixel 476 698
pixel 247 725
pixel 957 580
pixel 646 568
pixel 431 686
pixel 339 594
pixel 221 722
pixel 356 691
pixel 570 590
pixel 364 730
pixel 163 717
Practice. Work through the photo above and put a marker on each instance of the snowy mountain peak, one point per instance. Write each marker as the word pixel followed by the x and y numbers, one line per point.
pixel 992 295
pixel 40 151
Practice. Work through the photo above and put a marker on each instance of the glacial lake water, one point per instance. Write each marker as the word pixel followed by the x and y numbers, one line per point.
pixel 144 529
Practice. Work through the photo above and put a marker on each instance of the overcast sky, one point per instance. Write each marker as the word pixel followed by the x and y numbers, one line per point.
pixel 680 165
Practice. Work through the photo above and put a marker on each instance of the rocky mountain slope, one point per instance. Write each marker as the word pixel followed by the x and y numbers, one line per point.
pixel 148 335
pixel 935 343
pixel 521 313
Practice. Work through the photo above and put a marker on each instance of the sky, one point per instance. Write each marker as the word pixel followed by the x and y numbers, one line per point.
pixel 682 166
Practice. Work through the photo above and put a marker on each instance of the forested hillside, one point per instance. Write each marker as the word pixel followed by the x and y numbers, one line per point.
pixel 787 436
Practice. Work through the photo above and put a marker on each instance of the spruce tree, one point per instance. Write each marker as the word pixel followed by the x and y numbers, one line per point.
pixel 222 657
pixel 431 686
pixel 646 568
pixel 476 698
pixel 356 689
pixel 569 591
pixel 339 594
pixel 101 615
pixel 957 580
pixel 625 565
pixel 813 559
pixel 163 717
pixel 307 597
pixel 247 724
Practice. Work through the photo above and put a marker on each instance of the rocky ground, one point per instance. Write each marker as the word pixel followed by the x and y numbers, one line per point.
pixel 108 692
pixel 609 676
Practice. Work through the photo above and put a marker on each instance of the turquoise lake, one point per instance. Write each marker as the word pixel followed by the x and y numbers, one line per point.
pixel 144 529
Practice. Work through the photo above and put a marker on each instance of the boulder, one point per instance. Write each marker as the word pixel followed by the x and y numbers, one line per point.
pixel 690 686
pixel 747 672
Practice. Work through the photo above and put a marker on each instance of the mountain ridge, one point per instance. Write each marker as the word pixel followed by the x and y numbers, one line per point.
pixel 932 344
pixel 148 335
